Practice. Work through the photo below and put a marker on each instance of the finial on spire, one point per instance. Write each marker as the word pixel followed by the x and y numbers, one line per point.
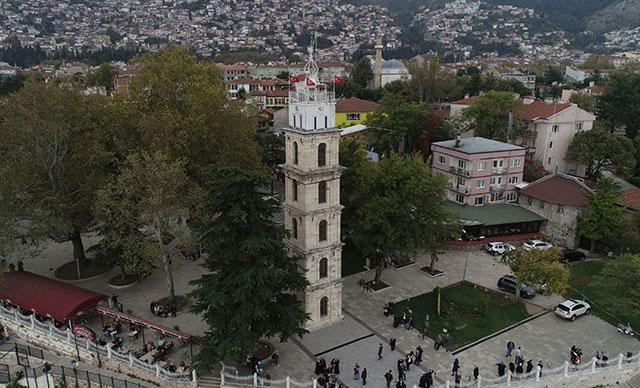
pixel 311 68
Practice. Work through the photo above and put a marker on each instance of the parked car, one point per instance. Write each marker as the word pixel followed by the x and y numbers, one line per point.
pixel 569 255
pixel 498 248
pixel 536 244
pixel 508 283
pixel 572 308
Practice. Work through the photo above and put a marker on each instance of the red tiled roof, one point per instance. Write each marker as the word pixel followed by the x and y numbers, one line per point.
pixel 559 189
pixel 273 82
pixel 355 104
pixel 630 199
pixel 467 101
pixel 233 67
pixel 539 110
pixel 244 80
pixel 47 297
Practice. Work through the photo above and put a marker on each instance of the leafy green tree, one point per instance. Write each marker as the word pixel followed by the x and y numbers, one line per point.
pixel 584 101
pixel 54 157
pixel 399 210
pixel 469 80
pixel 489 116
pixel 615 288
pixel 430 82
pixel 533 170
pixel 539 267
pixel 397 125
pixel 602 219
pixel 249 291
pixel 551 75
pixel 597 62
pixel 272 152
pixel 11 84
pixel 361 73
pixel 103 76
pixel 620 102
pixel 598 148
pixel 284 75
pixel 146 203
pixel 353 158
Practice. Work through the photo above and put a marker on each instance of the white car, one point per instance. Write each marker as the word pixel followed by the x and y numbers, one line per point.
pixel 536 244
pixel 572 308
pixel 499 248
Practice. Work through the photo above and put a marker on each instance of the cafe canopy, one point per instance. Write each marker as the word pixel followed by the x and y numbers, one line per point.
pixel 47 297
pixel 143 323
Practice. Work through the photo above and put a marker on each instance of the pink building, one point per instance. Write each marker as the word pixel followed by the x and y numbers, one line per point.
pixel 480 171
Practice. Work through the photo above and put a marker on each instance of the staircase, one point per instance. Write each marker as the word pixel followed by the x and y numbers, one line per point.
pixel 209 382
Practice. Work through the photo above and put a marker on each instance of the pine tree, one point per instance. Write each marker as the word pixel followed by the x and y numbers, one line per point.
pixel 250 289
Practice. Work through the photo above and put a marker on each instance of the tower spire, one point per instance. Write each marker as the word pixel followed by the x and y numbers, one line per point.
pixel 377 76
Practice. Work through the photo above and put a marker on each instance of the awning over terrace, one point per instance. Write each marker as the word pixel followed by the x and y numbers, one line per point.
pixel 48 297
pixel 144 323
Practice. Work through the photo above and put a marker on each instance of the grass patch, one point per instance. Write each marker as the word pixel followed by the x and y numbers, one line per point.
pixel 582 287
pixel 468 313
pixel 352 260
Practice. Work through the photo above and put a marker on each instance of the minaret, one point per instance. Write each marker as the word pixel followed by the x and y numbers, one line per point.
pixel 312 195
pixel 377 76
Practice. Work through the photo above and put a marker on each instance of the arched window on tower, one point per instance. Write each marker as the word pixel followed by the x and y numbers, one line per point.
pixel 322 192
pixel 324 306
pixel 315 122
pixel 323 268
pixel 294 228
pixel 322 155
pixel 326 122
pixel 322 230
pixel 294 189
pixel 295 152
pixel 295 124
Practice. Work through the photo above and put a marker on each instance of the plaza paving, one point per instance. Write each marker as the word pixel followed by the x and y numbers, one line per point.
pixel 356 339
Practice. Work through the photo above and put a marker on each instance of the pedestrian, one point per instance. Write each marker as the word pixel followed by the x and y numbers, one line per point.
pixel 356 372
pixel 456 367
pixel 422 383
pixel 438 342
pixel 502 368
pixel 476 373
pixel 20 266
pixel 519 369
pixel 392 344
pixel 458 379
pixel 518 353
pixel 274 357
pixel 540 366
pixel 419 352
pixel 364 376
pixel 430 374
pixel 529 366
pixel 388 377
pixel 510 346
pixel 337 366
pixel 380 351
pixel 318 367
pixel 512 367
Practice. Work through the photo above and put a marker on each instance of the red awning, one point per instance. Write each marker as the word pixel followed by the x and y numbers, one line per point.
pixel 48 297
pixel 122 317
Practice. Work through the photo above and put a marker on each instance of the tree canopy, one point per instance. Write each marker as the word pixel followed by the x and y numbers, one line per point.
pixel 489 116
pixel 620 102
pixel 615 287
pixel 539 267
pixel 103 76
pixel 361 73
pixel 602 219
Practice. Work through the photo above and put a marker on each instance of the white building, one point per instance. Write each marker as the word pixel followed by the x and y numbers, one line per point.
pixel 312 207
pixel 391 70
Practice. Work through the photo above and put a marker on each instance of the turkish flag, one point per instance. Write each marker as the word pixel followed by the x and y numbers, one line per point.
pixel 338 80
pixel 311 81
pixel 293 79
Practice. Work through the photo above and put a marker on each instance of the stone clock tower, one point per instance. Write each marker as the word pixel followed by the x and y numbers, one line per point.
pixel 312 194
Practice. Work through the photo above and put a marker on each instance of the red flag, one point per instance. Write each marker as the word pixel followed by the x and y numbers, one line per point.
pixel 293 79
pixel 311 81
pixel 338 80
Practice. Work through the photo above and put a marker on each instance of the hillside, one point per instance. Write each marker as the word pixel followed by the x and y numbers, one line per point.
pixel 622 13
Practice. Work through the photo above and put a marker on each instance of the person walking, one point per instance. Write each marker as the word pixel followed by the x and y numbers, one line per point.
pixel 422 383
pixel 518 353
pixel 541 366
pixel 502 369
pixel 456 367
pixel 380 351
pixel 356 372
pixel 430 374
pixel 438 342
pixel 529 366
pixel 476 373
pixel 363 375
pixel 392 344
pixel 512 367
pixel 419 352
pixel 388 377
pixel 510 346
pixel 337 367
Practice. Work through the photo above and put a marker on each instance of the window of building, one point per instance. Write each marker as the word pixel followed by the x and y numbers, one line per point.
pixel 513 179
pixel 462 164
pixel 295 152
pixel 498 163
pixel 326 122
pixel 294 189
pixel 482 166
pixel 324 306
pixel 515 162
pixel 578 126
pixel 322 192
pixel 497 196
pixel 479 201
pixel 322 230
pixel 323 268
pixel 322 155
pixel 549 160
pixel 560 209
pixel 511 197
pixel 555 128
pixel 315 122
pixel 441 159
pixel 529 201
pixel 541 204
pixel 294 228
pixel 295 123
pixel 550 144
pixel 480 184
pixel 353 116
pixel 459 198
pixel 461 181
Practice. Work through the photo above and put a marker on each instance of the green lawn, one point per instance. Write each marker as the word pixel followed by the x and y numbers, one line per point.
pixel 582 287
pixel 352 261
pixel 468 313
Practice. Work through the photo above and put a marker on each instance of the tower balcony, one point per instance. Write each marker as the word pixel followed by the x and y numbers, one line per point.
pixel 312 94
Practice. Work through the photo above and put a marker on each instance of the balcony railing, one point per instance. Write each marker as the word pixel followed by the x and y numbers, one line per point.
pixel 460 188
pixel 459 171
pixel 495 188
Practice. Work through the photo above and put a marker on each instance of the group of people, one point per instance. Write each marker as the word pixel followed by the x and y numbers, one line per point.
pixel 163 310
pixel 113 330
pixel 517 367
pixel 575 355
pixel 442 340
pixel 329 373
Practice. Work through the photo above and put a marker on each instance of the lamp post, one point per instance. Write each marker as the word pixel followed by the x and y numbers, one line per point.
pixel 466 258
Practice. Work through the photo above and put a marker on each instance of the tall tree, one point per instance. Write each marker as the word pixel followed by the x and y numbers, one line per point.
pixel 400 210
pixel 620 102
pixel 250 289
pixel 584 101
pixel 602 220
pixel 361 73
pixel 53 160
pixel 599 148
pixel 103 76
pixel 431 83
pixel 539 267
pixel 147 202
pixel 489 116
pixel 615 291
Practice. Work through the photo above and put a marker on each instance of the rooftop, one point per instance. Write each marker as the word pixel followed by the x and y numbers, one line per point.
pixel 560 189
pixel 539 110
pixel 467 101
pixel 355 104
pixel 490 215
pixel 477 145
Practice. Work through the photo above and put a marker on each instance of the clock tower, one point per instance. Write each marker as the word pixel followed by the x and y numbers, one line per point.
pixel 312 194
